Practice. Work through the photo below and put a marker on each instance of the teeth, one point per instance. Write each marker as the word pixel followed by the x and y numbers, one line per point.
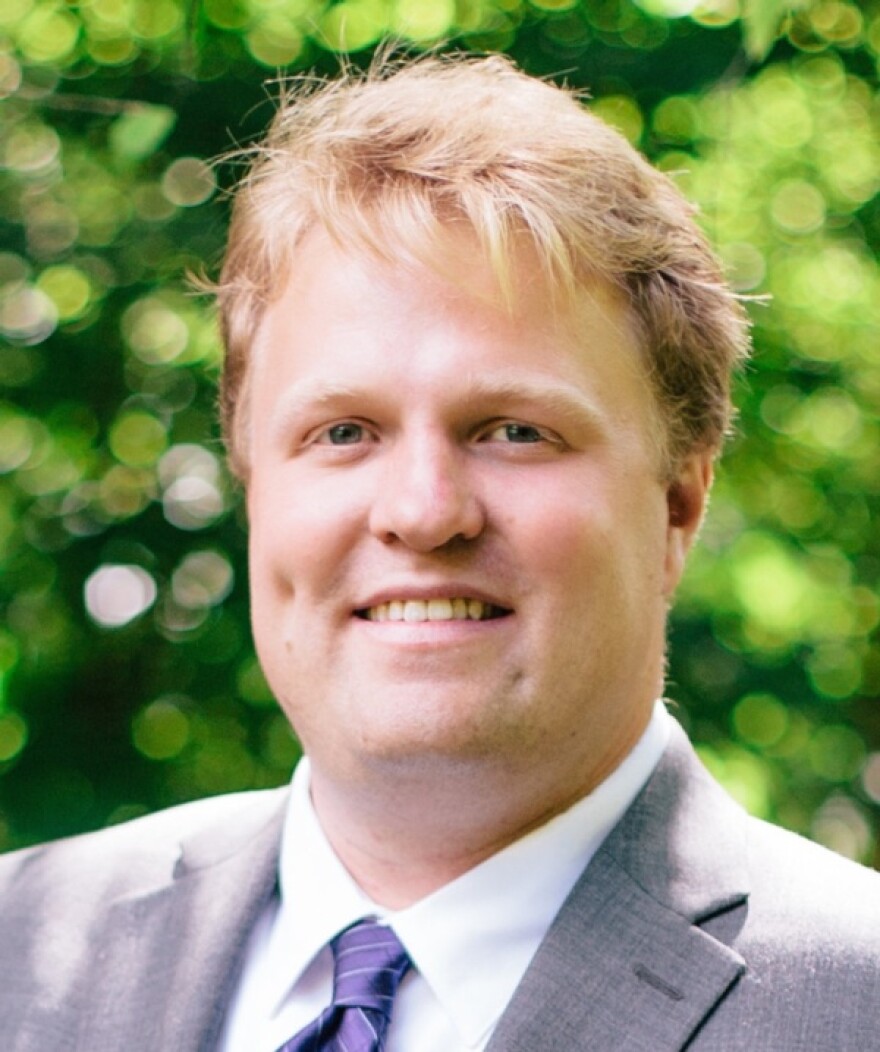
pixel 457 609
pixel 440 610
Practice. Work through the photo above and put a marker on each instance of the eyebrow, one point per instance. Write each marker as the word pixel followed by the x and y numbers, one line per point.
pixel 561 398
pixel 309 395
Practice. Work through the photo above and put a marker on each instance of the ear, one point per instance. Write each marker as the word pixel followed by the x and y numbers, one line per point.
pixel 686 498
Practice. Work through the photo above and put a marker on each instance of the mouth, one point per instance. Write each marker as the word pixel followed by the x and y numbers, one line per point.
pixel 460 608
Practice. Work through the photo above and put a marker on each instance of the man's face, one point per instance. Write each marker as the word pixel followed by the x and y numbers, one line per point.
pixel 461 547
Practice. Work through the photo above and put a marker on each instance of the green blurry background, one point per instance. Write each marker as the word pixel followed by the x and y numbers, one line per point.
pixel 127 676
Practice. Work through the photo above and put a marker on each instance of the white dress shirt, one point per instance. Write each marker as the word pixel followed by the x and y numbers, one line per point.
pixel 470 941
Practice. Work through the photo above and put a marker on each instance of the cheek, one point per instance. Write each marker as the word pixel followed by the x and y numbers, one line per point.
pixel 567 527
pixel 288 523
pixel 591 542
pixel 269 550
pixel 303 539
pixel 275 561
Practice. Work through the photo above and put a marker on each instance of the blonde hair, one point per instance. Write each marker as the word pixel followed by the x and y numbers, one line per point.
pixel 387 160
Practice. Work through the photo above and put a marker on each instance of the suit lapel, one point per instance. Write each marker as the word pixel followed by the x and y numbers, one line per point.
pixel 626 964
pixel 173 952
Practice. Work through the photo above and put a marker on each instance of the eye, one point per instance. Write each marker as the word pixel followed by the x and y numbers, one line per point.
pixel 521 434
pixel 347 433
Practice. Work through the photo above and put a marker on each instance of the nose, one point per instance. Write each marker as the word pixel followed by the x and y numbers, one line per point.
pixel 426 498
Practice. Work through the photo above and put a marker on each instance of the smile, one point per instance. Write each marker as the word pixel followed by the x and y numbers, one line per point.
pixel 414 610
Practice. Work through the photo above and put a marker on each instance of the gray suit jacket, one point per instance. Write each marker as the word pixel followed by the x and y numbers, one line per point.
pixel 695 927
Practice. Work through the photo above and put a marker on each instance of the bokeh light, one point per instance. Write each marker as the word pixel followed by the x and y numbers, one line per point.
pixel 115 595
pixel 122 539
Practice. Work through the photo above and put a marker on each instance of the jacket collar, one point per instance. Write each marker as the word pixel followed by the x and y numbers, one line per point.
pixel 626 963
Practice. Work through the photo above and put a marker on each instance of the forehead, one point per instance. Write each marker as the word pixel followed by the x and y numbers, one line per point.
pixel 346 322
pixel 324 276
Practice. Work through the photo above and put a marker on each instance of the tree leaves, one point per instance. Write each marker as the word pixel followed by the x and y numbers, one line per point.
pixel 140 130
pixel 109 459
pixel 763 21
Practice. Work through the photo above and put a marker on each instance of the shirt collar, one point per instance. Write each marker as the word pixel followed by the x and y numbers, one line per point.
pixel 471 940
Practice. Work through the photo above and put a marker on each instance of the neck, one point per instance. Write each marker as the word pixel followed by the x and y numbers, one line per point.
pixel 406 832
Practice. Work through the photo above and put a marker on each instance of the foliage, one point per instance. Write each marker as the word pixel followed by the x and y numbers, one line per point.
pixel 127 675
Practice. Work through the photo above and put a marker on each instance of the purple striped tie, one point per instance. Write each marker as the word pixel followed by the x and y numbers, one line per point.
pixel 369 963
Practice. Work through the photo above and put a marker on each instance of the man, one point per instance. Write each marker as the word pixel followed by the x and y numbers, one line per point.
pixel 478 361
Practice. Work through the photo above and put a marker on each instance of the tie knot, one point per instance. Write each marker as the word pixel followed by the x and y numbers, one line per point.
pixel 369 963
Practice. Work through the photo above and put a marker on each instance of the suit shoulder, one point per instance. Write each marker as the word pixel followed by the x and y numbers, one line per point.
pixel 799 868
pixel 131 854
pixel 807 908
